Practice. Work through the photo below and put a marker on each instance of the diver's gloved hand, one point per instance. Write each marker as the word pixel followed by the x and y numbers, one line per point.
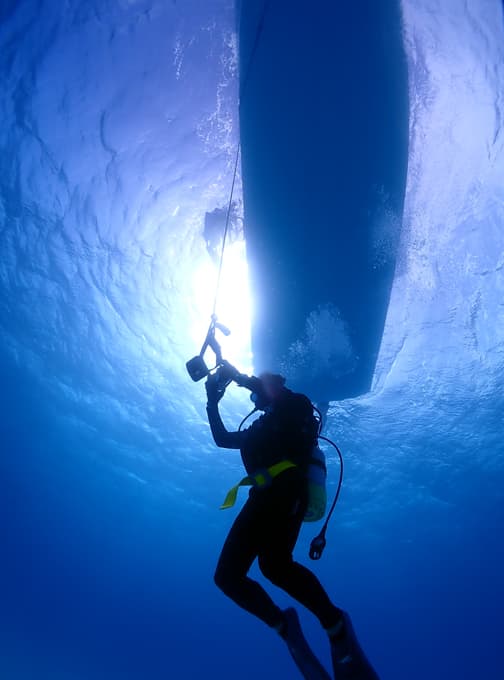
pixel 250 382
pixel 215 389
pixel 241 379
pixel 227 372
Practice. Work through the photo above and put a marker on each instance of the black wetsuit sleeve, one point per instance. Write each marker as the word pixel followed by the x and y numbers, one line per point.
pixel 222 437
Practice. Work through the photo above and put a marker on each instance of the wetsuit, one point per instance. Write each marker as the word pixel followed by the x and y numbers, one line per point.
pixel 268 525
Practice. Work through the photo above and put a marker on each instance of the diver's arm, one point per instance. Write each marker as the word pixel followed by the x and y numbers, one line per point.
pixel 222 437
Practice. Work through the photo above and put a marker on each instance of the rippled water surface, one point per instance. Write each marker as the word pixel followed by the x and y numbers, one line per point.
pixel 118 136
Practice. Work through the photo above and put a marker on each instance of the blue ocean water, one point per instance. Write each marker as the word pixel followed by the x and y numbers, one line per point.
pixel 119 129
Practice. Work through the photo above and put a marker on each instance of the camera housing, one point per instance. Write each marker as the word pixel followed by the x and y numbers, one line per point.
pixel 197 368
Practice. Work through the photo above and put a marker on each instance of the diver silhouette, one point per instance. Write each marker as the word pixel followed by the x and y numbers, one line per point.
pixel 268 525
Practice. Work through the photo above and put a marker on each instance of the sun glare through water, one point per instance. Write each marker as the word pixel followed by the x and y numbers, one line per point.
pixel 234 305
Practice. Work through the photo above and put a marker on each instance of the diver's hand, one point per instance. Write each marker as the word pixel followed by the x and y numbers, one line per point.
pixel 228 372
pixel 250 382
pixel 215 390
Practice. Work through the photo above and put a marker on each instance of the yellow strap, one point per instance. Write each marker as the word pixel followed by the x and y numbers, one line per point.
pixel 259 479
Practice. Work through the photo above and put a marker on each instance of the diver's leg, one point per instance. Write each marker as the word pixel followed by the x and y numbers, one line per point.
pixel 277 541
pixel 348 658
pixel 275 560
pixel 301 584
pixel 239 551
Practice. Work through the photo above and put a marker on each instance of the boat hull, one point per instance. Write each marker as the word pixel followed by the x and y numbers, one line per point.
pixel 324 135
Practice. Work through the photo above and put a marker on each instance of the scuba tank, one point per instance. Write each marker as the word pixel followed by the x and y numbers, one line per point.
pixel 317 494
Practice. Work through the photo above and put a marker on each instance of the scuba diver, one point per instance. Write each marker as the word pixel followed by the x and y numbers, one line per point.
pixel 276 450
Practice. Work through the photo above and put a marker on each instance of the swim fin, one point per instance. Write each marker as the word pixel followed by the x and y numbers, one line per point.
pixel 304 658
pixel 349 661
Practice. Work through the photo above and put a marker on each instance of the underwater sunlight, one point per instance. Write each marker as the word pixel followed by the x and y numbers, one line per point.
pixel 120 128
